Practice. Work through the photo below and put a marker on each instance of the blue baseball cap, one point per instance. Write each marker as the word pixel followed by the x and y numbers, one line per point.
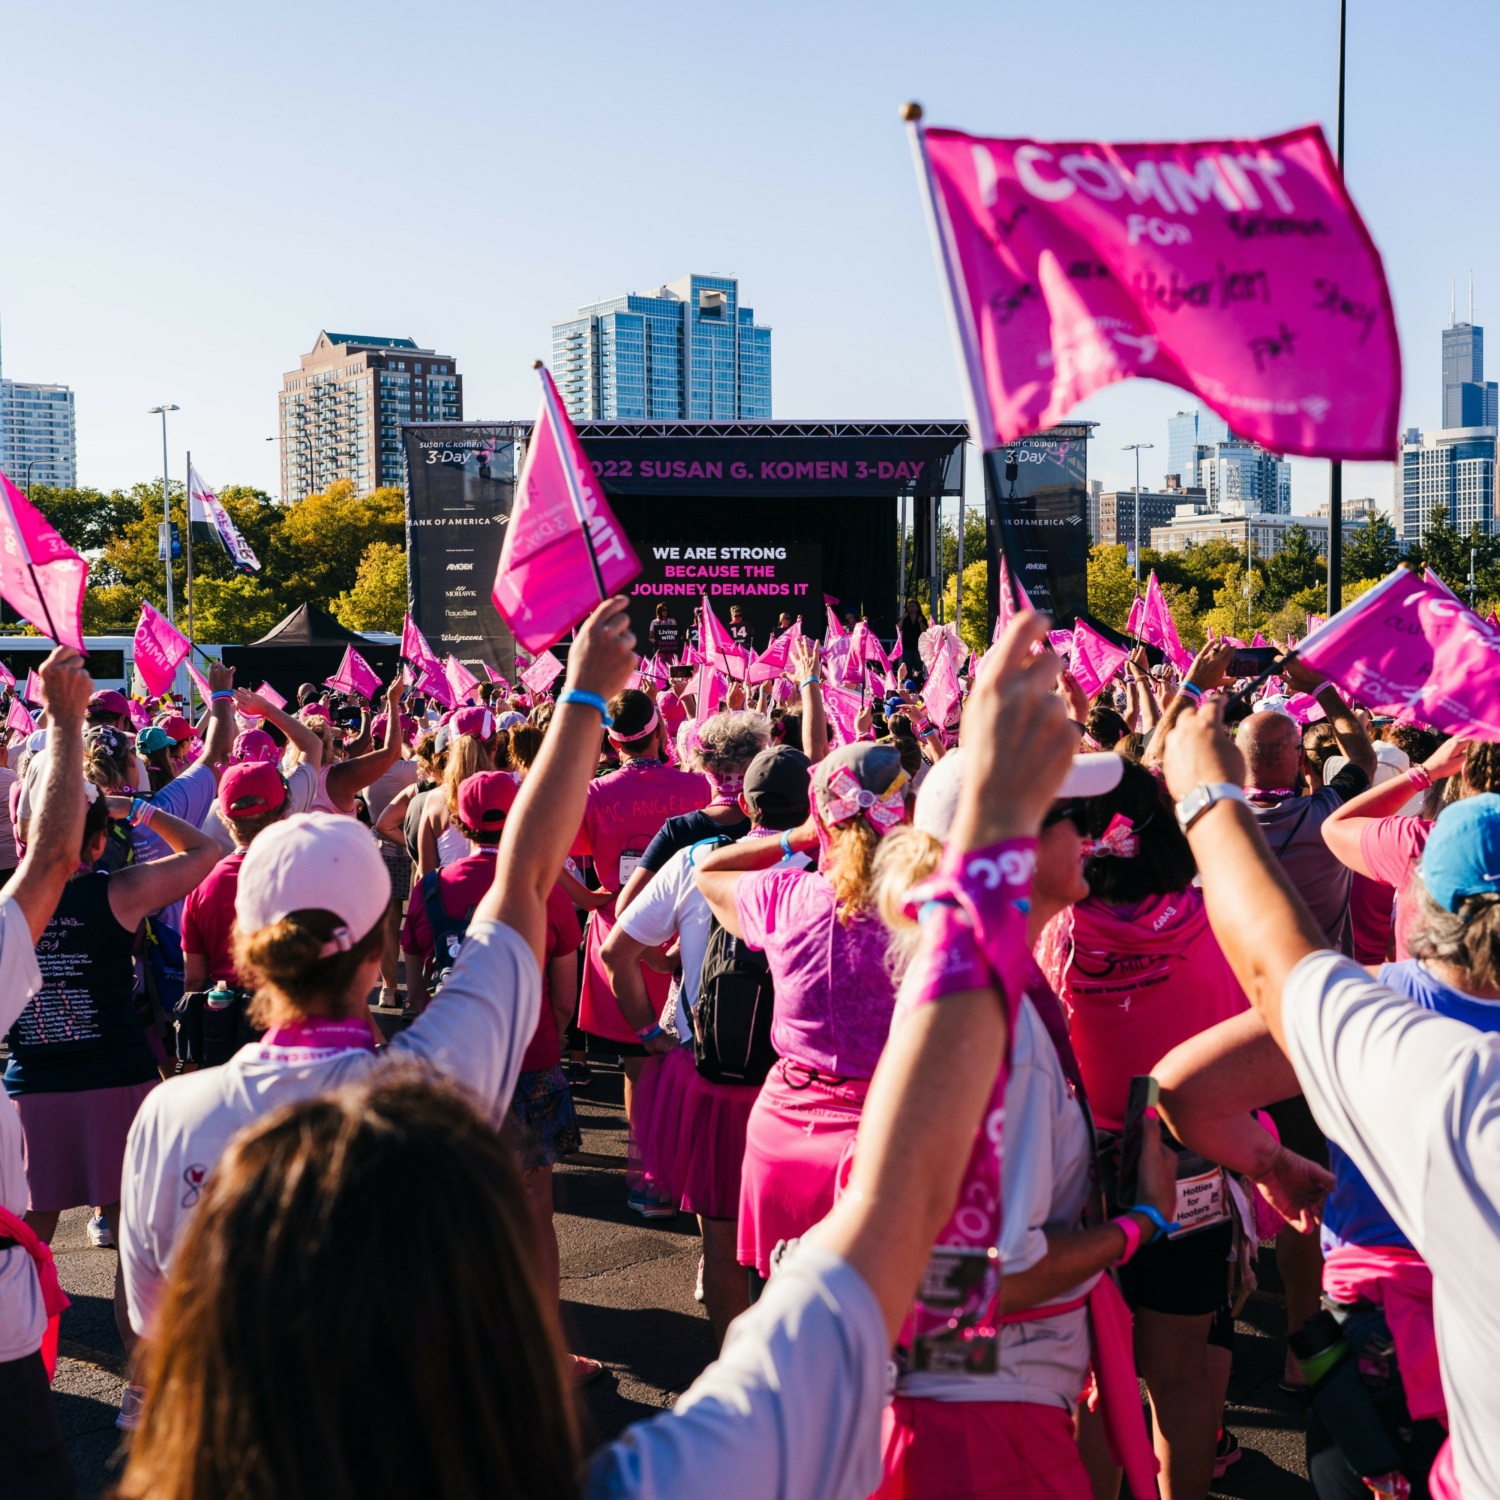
pixel 1462 857
pixel 894 705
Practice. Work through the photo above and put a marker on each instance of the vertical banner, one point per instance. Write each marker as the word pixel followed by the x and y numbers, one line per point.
pixel 460 484
pixel 1038 486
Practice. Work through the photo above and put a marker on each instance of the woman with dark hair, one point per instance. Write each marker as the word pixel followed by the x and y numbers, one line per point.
pixel 1140 970
pixel 909 631
pixel 155 749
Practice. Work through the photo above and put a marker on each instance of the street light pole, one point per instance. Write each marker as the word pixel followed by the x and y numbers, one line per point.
pixel 166 501
pixel 1136 448
pixel 30 465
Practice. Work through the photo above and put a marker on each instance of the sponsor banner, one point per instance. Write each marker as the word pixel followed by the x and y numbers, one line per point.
pixel 460 485
pixel 1037 487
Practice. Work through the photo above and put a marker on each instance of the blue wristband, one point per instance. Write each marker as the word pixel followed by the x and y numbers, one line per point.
pixel 223 695
pixel 651 1033
pixel 786 844
pixel 1163 1226
pixel 809 682
pixel 578 695
pixel 1191 690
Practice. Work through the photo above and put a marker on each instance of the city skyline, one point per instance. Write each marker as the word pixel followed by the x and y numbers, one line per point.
pixel 806 195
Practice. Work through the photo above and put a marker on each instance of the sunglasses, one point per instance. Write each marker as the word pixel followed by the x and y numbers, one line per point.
pixel 1072 811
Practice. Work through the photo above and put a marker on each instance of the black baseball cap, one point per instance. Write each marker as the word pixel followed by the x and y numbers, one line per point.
pixel 777 787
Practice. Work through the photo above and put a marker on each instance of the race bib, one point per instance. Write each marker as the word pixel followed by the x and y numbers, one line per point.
pixel 1202 1201
pixel 630 860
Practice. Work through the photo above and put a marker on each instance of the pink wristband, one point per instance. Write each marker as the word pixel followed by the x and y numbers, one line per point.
pixel 1420 777
pixel 1132 1232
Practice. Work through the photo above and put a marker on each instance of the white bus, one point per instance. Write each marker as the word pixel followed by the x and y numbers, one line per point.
pixel 111 658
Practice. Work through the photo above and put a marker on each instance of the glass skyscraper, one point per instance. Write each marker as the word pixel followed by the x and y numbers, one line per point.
pixel 1239 476
pixel 687 351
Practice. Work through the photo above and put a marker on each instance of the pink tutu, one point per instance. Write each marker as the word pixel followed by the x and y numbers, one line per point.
pixel 656 1125
pixel 798 1132
pixel 712 1150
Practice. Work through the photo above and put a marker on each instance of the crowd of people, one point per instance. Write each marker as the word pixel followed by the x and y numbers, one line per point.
pixel 997 1046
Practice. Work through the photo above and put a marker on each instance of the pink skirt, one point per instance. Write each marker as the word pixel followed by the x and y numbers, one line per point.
pixel 797 1135
pixel 711 1157
pixel 979 1450
pixel 656 1122
pixel 75 1144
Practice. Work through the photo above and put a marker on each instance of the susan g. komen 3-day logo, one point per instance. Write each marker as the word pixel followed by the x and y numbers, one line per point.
pixel 194 1176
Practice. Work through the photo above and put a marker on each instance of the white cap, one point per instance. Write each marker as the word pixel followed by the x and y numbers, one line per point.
pixel 314 862
pixel 1391 761
pixel 937 799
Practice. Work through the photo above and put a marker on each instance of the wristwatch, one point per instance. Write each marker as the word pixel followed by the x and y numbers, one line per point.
pixel 1202 797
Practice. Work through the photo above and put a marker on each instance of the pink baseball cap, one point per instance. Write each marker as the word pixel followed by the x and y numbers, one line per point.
pixel 255 745
pixel 177 729
pixel 108 701
pixel 485 798
pixel 314 862
pixel 479 722
pixel 250 788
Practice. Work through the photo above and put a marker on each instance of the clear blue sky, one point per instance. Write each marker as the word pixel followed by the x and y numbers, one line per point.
pixel 191 192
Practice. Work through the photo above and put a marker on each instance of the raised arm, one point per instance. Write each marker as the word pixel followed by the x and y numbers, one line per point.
pixel 1260 922
pixel 303 737
pixel 1207 672
pixel 1350 733
pixel 56 829
pixel 218 743
pixel 390 825
pixel 549 809
pixel 804 657
pixel 350 776
pixel 140 889
pixel 1344 828
pixel 1141 685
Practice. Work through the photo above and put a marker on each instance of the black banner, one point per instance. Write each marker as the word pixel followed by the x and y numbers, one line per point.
pixel 460 484
pixel 762 577
pixel 1038 488
pixel 774 467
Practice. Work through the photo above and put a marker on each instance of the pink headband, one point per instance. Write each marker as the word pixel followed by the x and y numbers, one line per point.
pixel 846 799
pixel 640 734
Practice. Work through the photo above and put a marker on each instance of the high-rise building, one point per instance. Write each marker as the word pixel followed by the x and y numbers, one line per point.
pixel 38 433
pixel 1236 474
pixel 341 412
pixel 1454 467
pixel 687 351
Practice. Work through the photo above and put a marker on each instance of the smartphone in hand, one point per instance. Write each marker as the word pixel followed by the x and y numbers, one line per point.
pixel 1144 1092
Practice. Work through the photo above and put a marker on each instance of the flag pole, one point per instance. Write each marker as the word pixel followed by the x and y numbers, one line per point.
pixel 966 339
pixel 187 542
pixel 574 493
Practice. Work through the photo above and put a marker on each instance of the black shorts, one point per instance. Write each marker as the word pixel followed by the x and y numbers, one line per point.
pixel 33 1459
pixel 603 1046
pixel 1189 1276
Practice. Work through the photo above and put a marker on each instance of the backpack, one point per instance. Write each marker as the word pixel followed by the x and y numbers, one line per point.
pixel 732 1021
pixel 448 933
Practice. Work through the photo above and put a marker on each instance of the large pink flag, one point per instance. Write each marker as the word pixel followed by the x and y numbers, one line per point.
pixel 719 647
pixel 354 675
pixel 462 683
pixel 423 669
pixel 41 577
pixel 1236 269
pixel 160 648
pixel 776 658
pixel 497 679
pixel 32 692
pixel 542 672
pixel 18 719
pixel 546 582
pixel 708 693
pixel 1408 648
pixel 842 706
pixel 1095 659
pixel 835 630
pixel 941 692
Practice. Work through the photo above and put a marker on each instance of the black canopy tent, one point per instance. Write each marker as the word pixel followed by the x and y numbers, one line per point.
pixel 307 646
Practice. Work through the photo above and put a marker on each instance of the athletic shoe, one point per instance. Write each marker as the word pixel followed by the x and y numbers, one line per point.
pixel 698 1289
pixel 578 1073
pixel 1227 1453
pixel 98 1232
pixel 651 1207
pixel 582 1370
pixel 132 1403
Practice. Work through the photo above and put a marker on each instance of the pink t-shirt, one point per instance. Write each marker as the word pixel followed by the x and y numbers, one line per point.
pixel 1391 849
pixel 834 994
pixel 1135 982
pixel 208 917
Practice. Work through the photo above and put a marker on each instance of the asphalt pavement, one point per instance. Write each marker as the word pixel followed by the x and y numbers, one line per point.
pixel 627 1299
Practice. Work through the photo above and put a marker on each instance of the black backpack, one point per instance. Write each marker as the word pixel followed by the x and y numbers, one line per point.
pixel 732 1021
pixel 448 933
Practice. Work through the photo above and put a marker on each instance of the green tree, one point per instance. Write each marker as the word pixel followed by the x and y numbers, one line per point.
pixel 1111 586
pixel 236 609
pixel 1371 551
pixel 1296 566
pixel 87 519
pixel 1444 548
pixel 378 599
pixel 974 627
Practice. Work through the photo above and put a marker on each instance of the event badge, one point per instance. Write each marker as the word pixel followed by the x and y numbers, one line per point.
pixel 630 860
pixel 954 1328
pixel 1202 1201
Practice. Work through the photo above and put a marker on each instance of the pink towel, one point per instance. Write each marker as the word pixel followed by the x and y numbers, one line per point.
pixel 1118 1390
pixel 54 1299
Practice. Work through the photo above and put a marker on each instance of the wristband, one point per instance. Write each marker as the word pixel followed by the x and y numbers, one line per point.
pixel 1420 777
pixel 651 1033
pixel 223 695
pixel 808 682
pixel 1191 690
pixel 786 843
pixel 1132 1232
pixel 578 695
pixel 1163 1226
pixel 141 812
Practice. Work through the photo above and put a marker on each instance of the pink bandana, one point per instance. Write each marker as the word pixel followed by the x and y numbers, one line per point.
pixel 847 799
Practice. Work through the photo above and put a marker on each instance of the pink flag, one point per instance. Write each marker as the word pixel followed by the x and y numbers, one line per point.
pixel 842 705
pixel 653 672
pixel 546 582
pixel 461 681
pixel 18 719
pixel 138 715
pixel 354 675
pixel 424 672
pixel 160 648
pixel 1317 622
pixel 32 692
pixel 1061 642
pixel 708 693
pixel 497 679
pixel 41 577
pixel 776 658
pixel 1239 270
pixel 1490 619
pixel 1095 659
pixel 266 691
pixel 1006 604
pixel 1137 615
pixel 199 681
pixel 1305 709
pixel 1259 640
pixel 540 675
pixel 835 629
pixel 1408 648
pixel 7 677
pixel 941 694
pixel 865 646
pixel 719 646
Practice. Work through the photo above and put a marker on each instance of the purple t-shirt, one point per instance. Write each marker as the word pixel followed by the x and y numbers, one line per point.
pixel 834 994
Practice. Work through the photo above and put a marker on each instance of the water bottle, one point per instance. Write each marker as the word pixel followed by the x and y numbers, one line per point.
pixel 220 997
